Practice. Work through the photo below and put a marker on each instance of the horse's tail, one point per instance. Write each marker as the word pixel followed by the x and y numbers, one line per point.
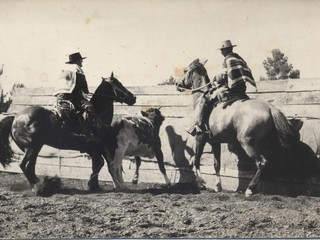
pixel 283 127
pixel 5 148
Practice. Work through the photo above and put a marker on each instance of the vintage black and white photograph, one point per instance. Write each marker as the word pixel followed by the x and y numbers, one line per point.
pixel 159 119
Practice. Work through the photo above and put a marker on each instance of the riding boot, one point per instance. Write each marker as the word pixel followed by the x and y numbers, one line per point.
pixel 199 126
pixel 74 135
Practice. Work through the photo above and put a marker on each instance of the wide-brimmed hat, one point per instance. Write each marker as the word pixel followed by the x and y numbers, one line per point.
pixel 226 44
pixel 75 57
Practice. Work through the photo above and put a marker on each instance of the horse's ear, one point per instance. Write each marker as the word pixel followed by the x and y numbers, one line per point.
pixel 102 79
pixel 111 75
pixel 144 113
pixel 203 62
pixel 197 60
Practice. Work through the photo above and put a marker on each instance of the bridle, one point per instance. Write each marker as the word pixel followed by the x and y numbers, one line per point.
pixel 193 90
pixel 116 91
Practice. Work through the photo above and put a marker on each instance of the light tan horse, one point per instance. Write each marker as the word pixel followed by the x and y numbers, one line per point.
pixel 256 126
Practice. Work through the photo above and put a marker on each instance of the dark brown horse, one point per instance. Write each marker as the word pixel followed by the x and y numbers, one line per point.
pixel 36 126
pixel 255 126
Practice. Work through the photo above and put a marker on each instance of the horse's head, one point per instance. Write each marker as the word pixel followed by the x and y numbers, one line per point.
pixel 119 93
pixel 195 77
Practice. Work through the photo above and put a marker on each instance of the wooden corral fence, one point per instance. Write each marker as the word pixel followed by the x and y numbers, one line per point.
pixel 296 98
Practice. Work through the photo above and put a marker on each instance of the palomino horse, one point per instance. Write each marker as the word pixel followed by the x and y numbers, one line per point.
pixel 255 126
pixel 36 126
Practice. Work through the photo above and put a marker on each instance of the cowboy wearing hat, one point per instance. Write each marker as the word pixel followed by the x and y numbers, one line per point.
pixel 234 75
pixel 235 70
pixel 72 87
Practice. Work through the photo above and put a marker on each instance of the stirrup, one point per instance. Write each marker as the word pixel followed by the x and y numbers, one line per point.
pixel 192 131
pixel 197 130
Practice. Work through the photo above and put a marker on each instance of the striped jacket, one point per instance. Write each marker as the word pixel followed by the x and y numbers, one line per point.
pixel 237 70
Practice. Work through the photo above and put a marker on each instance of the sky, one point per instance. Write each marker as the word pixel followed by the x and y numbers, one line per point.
pixel 144 42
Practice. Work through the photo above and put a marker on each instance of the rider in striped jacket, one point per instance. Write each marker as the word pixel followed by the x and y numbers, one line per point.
pixel 234 75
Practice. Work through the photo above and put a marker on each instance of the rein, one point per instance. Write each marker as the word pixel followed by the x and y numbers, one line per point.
pixel 115 96
pixel 104 95
pixel 196 89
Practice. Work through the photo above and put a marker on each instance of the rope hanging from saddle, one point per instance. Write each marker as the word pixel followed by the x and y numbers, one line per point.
pixel 65 109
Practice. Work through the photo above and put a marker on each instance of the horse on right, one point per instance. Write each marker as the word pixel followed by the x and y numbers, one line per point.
pixel 257 127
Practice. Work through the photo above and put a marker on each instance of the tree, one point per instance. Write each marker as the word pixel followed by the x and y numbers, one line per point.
pixel 17 85
pixel 294 74
pixel 278 67
pixel 7 97
pixel 169 81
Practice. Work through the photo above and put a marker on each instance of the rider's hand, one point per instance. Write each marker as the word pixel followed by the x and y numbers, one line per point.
pixel 180 89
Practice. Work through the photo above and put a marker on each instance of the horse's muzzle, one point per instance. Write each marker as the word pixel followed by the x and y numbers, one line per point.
pixel 133 101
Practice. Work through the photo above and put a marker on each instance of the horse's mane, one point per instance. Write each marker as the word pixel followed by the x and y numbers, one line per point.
pixel 100 88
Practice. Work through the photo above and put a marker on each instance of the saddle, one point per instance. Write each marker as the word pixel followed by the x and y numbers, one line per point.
pixel 233 99
pixel 68 116
pixel 223 96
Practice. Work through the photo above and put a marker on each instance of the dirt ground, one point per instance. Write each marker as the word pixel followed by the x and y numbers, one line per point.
pixel 151 211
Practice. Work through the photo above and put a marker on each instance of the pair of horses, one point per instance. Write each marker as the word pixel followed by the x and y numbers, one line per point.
pixel 36 126
pixel 256 127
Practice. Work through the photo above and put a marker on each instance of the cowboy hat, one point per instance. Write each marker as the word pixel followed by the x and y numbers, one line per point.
pixel 75 57
pixel 226 44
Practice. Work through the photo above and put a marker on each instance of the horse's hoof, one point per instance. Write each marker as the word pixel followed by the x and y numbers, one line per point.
pixel 34 189
pixel 122 188
pixel 135 181
pixel 166 186
pixel 202 187
pixel 201 183
pixel 217 188
pixel 126 188
pixel 248 193
pixel 95 189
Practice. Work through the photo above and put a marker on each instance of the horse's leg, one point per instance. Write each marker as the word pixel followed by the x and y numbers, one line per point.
pixel 159 156
pixel 201 140
pixel 116 166
pixel 255 180
pixel 28 164
pixel 97 164
pixel 254 153
pixel 136 173
pixel 216 148
pixel 106 154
